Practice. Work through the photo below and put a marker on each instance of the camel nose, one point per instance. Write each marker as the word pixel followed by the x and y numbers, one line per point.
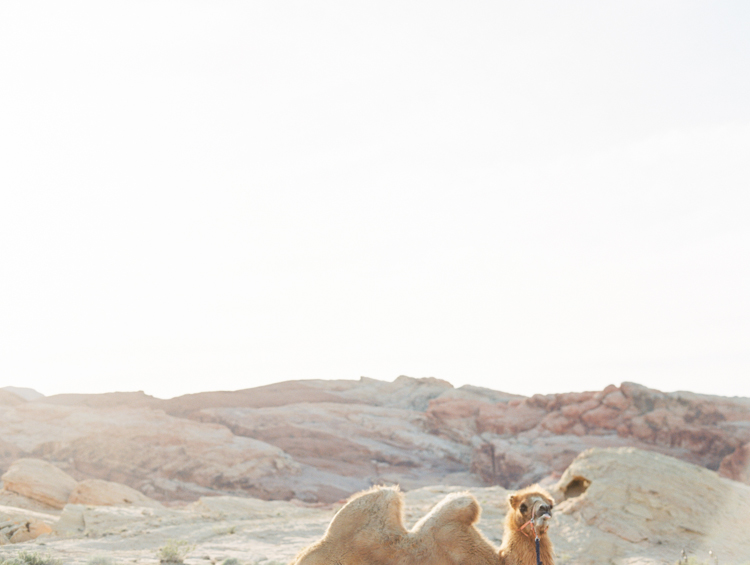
pixel 544 509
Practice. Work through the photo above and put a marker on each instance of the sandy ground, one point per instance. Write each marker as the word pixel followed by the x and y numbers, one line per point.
pixel 272 533
pixel 219 528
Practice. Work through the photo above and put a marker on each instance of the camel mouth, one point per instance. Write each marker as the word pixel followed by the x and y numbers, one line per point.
pixel 541 523
pixel 542 516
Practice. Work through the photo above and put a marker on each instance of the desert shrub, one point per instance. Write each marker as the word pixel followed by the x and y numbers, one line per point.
pixel 100 560
pixel 32 558
pixel 174 551
pixel 221 531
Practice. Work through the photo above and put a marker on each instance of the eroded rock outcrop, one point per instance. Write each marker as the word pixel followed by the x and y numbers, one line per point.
pixel 18 526
pixel 160 455
pixel 737 465
pixel 106 493
pixel 621 506
pixel 635 498
pixel 522 441
pixel 320 441
pixel 39 480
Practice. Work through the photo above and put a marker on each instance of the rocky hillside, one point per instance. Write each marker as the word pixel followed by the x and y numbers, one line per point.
pixel 320 441
pixel 613 506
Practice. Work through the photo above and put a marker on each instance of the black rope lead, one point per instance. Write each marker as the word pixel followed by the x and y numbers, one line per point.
pixel 538 556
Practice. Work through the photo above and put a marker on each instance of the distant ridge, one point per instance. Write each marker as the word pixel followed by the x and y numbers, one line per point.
pixel 25 393
pixel 319 441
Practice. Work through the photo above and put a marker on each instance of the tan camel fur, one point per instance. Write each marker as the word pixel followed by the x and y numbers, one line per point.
pixel 518 548
pixel 369 530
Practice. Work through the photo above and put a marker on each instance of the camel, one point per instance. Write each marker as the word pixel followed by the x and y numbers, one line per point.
pixel 528 516
pixel 369 530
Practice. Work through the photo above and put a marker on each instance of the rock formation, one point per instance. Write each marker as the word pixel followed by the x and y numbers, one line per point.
pixel 321 441
pixel 40 481
pixel 657 503
pixel 524 441
pixel 21 392
pixel 737 465
pixel 615 505
pixel 106 493
pixel 41 490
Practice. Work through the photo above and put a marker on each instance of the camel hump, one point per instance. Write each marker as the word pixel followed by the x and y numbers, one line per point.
pixel 456 508
pixel 378 510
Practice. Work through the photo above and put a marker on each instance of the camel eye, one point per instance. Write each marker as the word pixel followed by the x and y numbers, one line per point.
pixel 524 508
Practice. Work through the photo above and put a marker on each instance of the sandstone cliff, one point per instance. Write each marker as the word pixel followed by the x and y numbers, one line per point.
pixel 320 441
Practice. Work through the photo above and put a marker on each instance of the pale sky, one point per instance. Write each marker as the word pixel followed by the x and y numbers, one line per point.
pixel 527 196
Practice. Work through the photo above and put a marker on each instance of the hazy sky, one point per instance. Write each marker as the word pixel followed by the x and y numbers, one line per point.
pixel 527 196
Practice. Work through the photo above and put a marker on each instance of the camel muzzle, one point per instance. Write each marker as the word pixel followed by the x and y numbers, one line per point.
pixel 542 516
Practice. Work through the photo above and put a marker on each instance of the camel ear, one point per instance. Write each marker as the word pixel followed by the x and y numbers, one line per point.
pixel 513 501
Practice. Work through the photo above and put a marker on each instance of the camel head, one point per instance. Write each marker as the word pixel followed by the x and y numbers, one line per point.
pixel 531 503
